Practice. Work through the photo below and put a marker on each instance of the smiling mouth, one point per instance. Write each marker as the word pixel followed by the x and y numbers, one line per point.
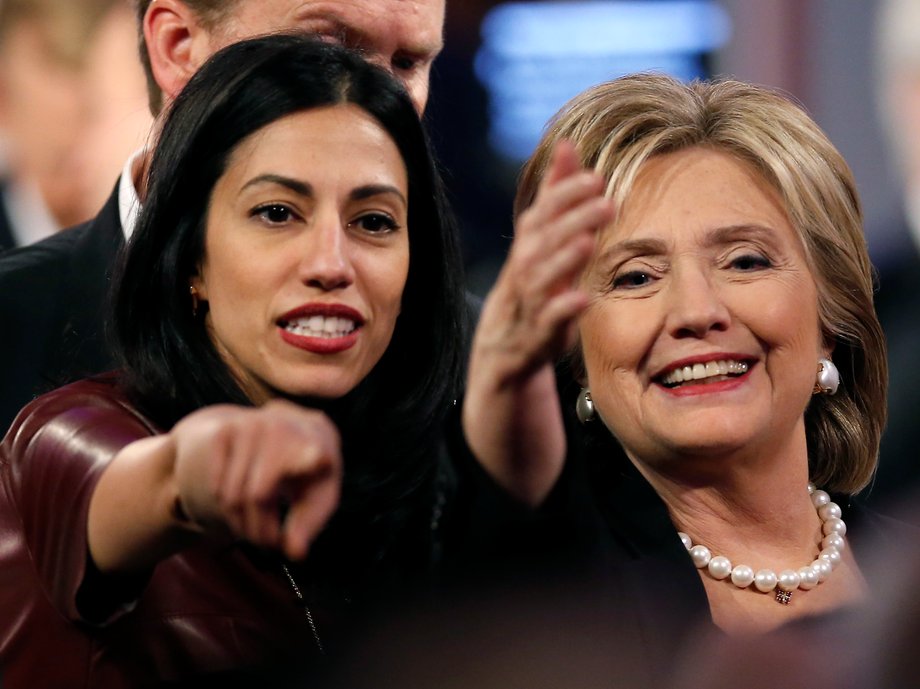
pixel 325 327
pixel 704 374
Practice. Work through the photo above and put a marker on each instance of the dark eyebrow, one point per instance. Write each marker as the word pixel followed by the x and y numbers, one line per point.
pixel 370 190
pixel 305 189
pixel 294 185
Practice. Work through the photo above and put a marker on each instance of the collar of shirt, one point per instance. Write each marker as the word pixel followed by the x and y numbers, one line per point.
pixel 30 219
pixel 129 203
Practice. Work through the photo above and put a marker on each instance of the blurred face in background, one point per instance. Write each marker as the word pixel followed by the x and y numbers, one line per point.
pixel 41 108
pixel 118 119
pixel 72 103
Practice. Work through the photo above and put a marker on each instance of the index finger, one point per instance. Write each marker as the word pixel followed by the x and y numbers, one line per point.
pixel 563 162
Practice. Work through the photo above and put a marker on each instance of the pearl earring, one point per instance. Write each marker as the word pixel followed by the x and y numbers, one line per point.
pixel 828 377
pixel 584 406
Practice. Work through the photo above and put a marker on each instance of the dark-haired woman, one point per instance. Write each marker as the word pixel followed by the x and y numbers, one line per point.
pixel 288 312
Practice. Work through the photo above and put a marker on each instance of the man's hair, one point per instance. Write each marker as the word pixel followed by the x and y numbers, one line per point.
pixel 391 422
pixel 209 12
pixel 618 126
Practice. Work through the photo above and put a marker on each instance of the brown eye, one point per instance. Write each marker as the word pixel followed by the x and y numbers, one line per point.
pixel 375 223
pixel 404 64
pixel 631 280
pixel 275 213
pixel 750 262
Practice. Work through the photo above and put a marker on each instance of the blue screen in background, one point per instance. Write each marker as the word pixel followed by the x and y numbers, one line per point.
pixel 535 56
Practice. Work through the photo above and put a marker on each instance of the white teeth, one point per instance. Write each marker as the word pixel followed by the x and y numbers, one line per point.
pixel 321 326
pixel 707 370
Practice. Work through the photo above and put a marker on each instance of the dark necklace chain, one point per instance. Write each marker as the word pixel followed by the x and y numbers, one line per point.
pixel 434 525
pixel 306 608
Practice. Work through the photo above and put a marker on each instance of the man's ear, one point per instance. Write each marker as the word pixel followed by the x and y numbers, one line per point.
pixel 177 43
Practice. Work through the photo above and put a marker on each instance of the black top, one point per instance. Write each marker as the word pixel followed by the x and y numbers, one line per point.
pixel 594 589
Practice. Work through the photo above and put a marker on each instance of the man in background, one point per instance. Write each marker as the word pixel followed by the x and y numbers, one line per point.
pixel 68 85
pixel 53 293
pixel 898 298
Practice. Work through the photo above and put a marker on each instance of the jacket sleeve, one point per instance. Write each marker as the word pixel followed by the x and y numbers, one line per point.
pixel 53 457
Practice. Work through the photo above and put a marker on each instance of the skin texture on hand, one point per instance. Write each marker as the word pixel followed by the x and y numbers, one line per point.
pixel 269 475
pixel 511 414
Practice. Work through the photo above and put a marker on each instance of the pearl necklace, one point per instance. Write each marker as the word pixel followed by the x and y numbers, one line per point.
pixel 788 580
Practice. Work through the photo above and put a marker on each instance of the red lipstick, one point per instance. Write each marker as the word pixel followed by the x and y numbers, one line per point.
pixel 327 343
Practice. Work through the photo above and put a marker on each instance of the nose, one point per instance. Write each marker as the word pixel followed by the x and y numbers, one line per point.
pixel 695 304
pixel 326 261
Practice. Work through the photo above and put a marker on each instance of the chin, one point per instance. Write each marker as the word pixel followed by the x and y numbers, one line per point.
pixel 715 441
pixel 317 389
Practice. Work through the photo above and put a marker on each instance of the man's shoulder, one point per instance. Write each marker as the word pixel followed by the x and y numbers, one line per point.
pixel 96 240
pixel 52 253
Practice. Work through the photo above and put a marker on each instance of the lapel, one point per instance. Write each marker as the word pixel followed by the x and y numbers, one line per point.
pixel 7 240
pixel 644 553
pixel 83 298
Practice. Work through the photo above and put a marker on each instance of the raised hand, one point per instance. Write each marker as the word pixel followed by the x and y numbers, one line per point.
pixel 511 413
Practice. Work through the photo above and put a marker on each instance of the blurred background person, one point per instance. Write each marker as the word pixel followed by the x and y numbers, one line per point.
pixel 72 106
pixel 898 298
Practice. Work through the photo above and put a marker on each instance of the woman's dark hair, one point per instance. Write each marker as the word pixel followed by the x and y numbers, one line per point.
pixel 390 422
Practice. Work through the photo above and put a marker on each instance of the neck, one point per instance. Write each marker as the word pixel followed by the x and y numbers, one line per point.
pixel 743 504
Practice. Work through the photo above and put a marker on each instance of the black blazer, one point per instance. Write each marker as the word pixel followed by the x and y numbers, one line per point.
pixel 53 309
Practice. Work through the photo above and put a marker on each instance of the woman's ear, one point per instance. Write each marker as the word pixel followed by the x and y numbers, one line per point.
pixel 177 44
pixel 198 286
pixel 198 293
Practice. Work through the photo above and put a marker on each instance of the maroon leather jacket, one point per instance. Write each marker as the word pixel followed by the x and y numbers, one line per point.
pixel 208 609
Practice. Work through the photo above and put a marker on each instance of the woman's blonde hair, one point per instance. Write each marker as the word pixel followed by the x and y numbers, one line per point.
pixel 617 126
